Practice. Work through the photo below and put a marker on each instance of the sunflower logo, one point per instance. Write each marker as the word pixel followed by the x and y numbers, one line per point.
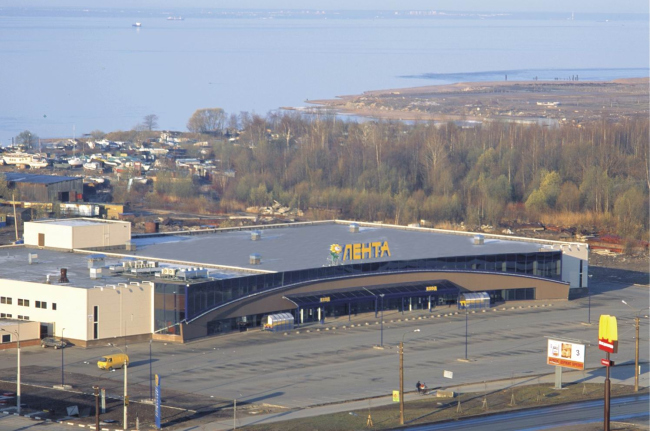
pixel 335 249
pixel 335 252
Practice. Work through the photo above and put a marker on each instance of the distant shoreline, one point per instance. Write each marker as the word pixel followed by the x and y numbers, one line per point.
pixel 525 101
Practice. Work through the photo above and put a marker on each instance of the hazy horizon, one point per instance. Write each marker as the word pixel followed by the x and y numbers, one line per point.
pixel 549 6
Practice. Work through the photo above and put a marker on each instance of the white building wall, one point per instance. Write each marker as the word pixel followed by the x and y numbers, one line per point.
pixel 575 264
pixel 55 235
pixel 123 310
pixel 68 236
pixel 70 305
pixel 26 330
pixel 101 235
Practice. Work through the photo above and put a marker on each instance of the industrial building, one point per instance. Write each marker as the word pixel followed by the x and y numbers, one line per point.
pixel 45 188
pixel 187 285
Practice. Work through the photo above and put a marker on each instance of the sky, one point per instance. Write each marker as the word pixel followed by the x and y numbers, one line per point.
pixel 578 6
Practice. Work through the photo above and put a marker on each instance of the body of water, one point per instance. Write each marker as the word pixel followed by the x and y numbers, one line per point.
pixel 92 69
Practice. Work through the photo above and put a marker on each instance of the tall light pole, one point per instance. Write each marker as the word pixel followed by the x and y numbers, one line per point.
pixel 401 378
pixel 126 395
pixel 18 371
pixel 381 341
pixel 62 349
pixel 636 345
pixel 381 330
pixel 466 317
pixel 150 375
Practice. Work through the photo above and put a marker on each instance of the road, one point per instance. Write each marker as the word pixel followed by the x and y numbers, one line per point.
pixel 622 409
pixel 320 367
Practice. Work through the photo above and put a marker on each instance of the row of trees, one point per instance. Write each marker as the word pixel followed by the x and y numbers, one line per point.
pixel 393 171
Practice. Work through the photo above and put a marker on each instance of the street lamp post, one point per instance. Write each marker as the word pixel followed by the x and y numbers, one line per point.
pixel 150 375
pixel 126 395
pixel 381 328
pixel 401 378
pixel 62 358
pixel 466 317
pixel 636 347
pixel 18 364
pixel 381 341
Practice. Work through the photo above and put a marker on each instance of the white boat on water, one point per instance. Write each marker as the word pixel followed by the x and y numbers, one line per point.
pixel 175 18
pixel 137 24
pixel 34 161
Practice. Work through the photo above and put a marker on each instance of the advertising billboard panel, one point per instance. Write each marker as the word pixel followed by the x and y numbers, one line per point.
pixel 566 354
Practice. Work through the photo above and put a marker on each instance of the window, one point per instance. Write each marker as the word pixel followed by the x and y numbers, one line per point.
pixel 6 338
pixel 20 302
pixel 40 304
pixel 54 306
pixel 7 315
pixel 23 302
pixel 5 300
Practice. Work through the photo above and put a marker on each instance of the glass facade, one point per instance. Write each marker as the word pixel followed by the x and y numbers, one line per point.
pixel 175 302
pixel 169 307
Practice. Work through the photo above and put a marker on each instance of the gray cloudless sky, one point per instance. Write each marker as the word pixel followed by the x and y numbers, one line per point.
pixel 578 6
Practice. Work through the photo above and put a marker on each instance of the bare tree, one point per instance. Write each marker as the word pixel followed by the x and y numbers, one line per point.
pixel 27 139
pixel 97 135
pixel 150 122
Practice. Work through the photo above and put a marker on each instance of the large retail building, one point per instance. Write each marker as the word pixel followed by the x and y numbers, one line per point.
pixel 89 281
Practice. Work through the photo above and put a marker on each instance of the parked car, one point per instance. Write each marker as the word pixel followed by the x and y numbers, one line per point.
pixel 52 342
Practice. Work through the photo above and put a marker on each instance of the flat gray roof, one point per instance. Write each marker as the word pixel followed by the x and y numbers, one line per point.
pixel 77 221
pixel 15 266
pixel 307 246
pixel 19 177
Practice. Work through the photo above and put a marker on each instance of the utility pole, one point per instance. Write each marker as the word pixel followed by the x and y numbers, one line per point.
pixel 96 388
pixel 13 201
pixel 636 346
pixel 126 396
pixel 636 356
pixel 401 383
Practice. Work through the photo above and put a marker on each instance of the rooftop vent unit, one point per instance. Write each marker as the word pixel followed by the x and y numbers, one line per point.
pixel 64 276
pixel 130 246
pixel 255 259
pixel 479 240
pixel 188 273
pixel 256 235
pixel 168 272
pixel 31 258
pixel 96 273
pixel 96 260
pixel 354 227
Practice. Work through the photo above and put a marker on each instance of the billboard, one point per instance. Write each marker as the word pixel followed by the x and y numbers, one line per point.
pixel 566 354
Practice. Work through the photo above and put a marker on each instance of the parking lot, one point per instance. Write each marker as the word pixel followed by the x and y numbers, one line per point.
pixel 316 364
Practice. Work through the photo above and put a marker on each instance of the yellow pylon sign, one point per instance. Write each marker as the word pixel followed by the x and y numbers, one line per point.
pixel 608 333
pixel 396 396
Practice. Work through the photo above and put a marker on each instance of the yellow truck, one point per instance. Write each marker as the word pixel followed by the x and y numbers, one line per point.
pixel 115 361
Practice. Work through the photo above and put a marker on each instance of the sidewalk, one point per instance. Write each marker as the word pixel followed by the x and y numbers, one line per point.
pixel 586 376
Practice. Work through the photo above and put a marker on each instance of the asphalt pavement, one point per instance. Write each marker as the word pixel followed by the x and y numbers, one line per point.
pixel 336 363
